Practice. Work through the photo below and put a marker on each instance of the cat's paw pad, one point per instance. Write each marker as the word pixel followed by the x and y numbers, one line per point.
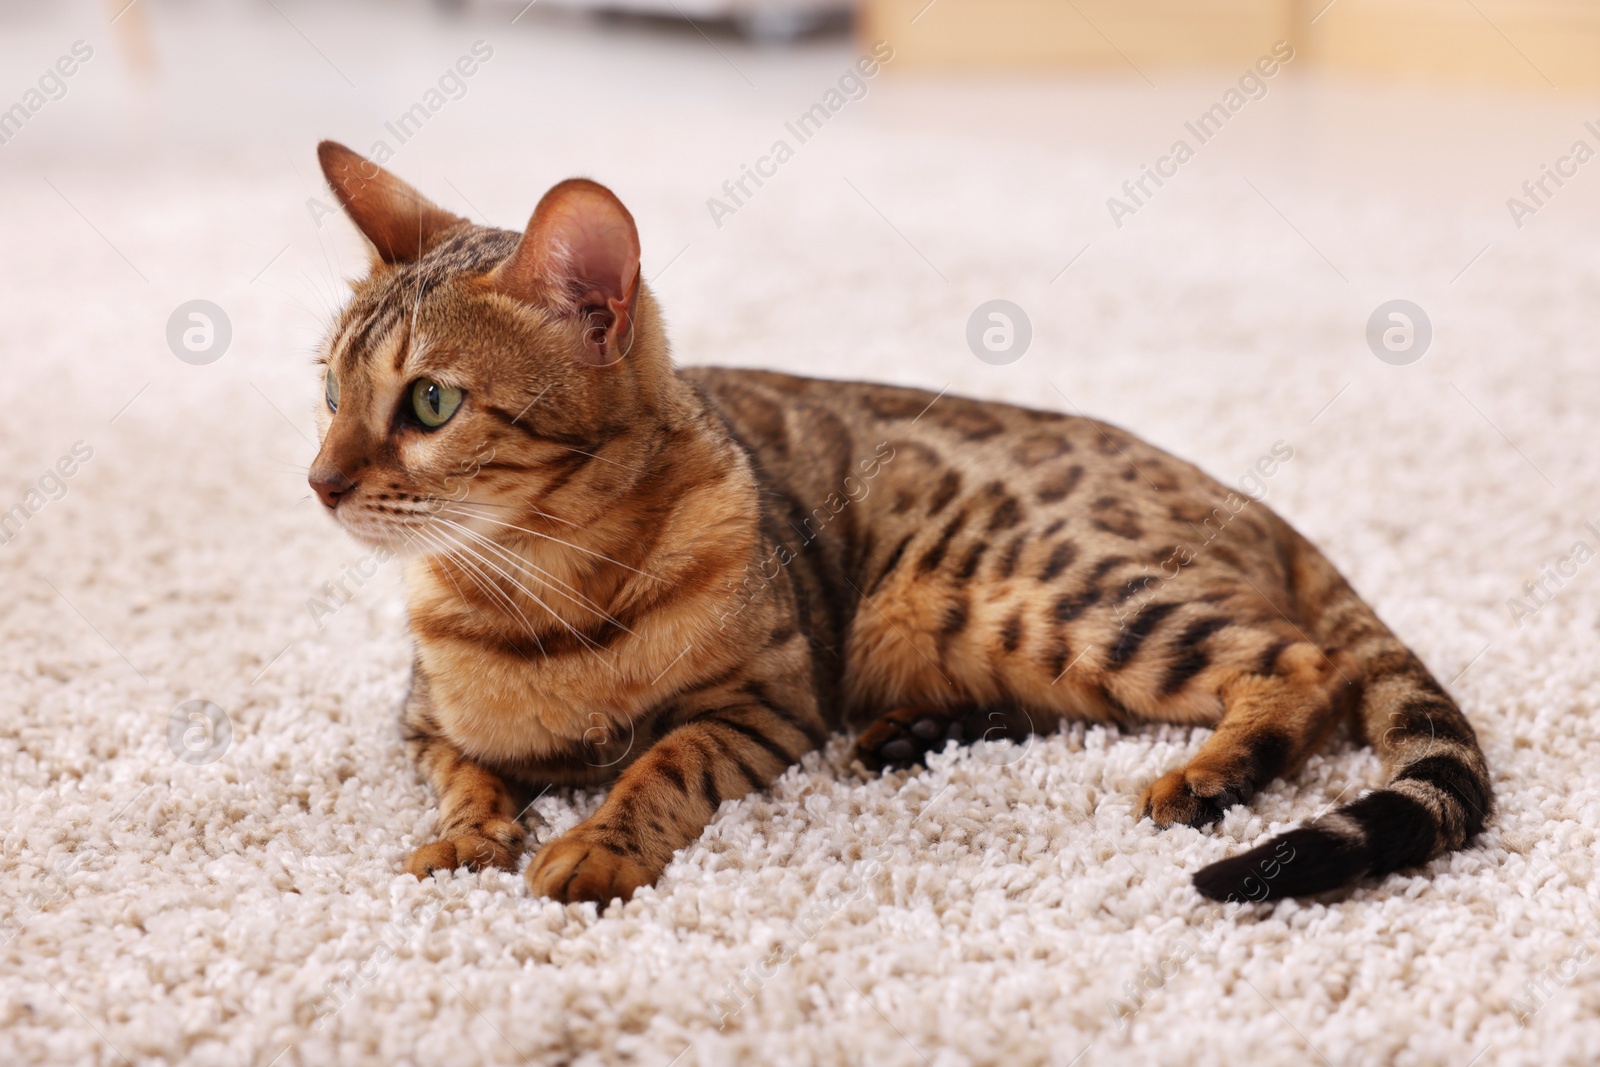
pixel 1189 798
pixel 496 843
pixel 902 737
pixel 571 869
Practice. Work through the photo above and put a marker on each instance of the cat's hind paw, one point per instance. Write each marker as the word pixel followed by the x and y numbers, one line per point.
pixel 904 736
pixel 1191 798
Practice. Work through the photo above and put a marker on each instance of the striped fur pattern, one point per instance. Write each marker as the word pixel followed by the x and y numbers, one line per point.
pixel 679 582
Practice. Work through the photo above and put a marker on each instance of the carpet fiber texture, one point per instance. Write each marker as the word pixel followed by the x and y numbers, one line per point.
pixel 1002 906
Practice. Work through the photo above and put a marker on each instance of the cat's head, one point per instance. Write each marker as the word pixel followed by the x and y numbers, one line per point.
pixel 476 371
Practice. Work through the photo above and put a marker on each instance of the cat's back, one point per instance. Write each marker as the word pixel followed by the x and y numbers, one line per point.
pixel 808 434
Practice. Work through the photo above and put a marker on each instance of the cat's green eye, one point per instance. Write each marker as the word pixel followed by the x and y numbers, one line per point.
pixel 331 391
pixel 434 403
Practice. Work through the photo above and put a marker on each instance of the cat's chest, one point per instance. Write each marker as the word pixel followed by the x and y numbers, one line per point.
pixel 503 703
pixel 501 709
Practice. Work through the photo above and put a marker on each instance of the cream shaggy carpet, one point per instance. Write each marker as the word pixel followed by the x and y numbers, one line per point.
pixel 1001 907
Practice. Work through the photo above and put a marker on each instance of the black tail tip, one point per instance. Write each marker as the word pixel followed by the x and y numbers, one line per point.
pixel 1301 862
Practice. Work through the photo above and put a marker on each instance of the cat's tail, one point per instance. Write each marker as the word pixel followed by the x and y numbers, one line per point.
pixel 1438 794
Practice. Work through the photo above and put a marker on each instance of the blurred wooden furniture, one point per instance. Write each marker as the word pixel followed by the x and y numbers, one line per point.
pixel 1084 34
pixel 1502 42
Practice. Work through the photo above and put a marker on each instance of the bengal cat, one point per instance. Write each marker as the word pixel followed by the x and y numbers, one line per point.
pixel 677 582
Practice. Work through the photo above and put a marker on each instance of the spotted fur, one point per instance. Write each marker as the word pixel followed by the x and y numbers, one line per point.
pixel 678 582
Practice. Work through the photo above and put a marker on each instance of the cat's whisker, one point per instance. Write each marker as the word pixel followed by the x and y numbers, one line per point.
pixel 533 570
pixel 482 581
pixel 543 576
pixel 514 507
pixel 532 595
pixel 568 544
pixel 292 299
pixel 444 570
pixel 416 306
pixel 330 306
pixel 462 551
pixel 512 581
pixel 603 459
pixel 333 277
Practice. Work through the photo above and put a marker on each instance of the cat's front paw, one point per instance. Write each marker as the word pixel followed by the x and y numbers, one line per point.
pixel 571 869
pixel 496 843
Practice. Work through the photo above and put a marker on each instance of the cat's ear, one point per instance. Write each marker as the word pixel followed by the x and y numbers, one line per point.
pixel 401 223
pixel 580 256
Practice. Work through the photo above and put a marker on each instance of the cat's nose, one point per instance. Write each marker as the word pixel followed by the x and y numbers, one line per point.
pixel 331 486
